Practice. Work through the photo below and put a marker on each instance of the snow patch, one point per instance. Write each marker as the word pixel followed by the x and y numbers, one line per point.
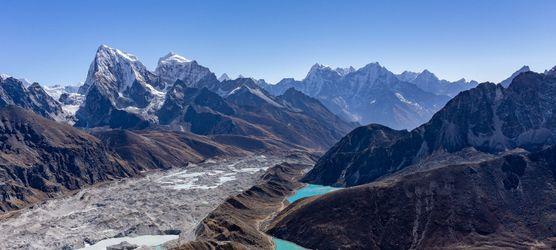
pixel 143 240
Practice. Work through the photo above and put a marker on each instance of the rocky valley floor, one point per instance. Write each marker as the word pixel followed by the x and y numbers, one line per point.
pixel 168 202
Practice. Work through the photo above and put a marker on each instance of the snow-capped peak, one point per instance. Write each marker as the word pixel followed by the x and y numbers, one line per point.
pixel 115 70
pixel 408 76
pixel 25 81
pixel 525 68
pixel 172 58
pixel 223 77
pixel 374 67
pixel 552 72
pixel 318 66
pixel 345 71
pixel 106 50
pixel 426 73
pixel 509 80
pixel 173 67
pixel 317 71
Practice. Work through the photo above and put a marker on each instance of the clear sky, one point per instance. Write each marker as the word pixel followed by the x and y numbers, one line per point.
pixel 486 40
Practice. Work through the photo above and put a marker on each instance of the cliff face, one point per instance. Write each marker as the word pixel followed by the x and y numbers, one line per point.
pixel 494 201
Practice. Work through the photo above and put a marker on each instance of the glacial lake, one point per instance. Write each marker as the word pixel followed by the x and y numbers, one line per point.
pixel 310 190
pixel 307 191
pixel 143 240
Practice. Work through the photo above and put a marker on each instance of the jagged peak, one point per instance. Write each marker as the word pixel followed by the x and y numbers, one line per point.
pixel 508 80
pixel 104 51
pixel 223 77
pixel 525 68
pixel 35 85
pixel 24 81
pixel 427 75
pixel 373 64
pixel 373 68
pixel 4 76
pixel 318 66
pixel 345 71
pixel 408 76
pixel 172 57
pixel 427 72
pixel 552 72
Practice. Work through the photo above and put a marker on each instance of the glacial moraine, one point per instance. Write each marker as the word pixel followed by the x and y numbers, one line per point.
pixel 161 203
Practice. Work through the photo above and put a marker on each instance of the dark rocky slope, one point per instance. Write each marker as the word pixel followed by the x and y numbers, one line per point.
pixel 159 149
pixel 495 202
pixel 236 224
pixel 40 158
pixel 245 109
pixel 489 118
pixel 33 97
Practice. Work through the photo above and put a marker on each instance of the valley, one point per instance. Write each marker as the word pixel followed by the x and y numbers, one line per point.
pixel 169 202
pixel 162 154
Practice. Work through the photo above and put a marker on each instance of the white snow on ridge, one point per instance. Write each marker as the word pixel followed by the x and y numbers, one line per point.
pixel 171 58
pixel 223 77
pixel 107 60
pixel 173 67
pixel 71 109
pixel 128 56
pixel 26 82
pixel 54 91
pixel 143 240
pixel 402 99
pixel 261 95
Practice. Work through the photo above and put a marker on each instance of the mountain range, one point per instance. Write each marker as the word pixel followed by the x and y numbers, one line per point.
pixel 489 118
pixel 132 119
pixel 474 160
pixel 185 96
pixel 373 94
pixel 481 173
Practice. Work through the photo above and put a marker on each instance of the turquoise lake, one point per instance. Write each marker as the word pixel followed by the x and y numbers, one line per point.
pixel 310 190
pixel 307 191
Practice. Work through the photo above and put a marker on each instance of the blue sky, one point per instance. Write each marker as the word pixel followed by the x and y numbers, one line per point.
pixel 55 41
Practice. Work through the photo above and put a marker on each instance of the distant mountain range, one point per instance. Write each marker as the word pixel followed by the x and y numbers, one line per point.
pixel 489 118
pixel 185 96
pixel 373 94
pixel 33 97
pixel 483 169
pixel 182 112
